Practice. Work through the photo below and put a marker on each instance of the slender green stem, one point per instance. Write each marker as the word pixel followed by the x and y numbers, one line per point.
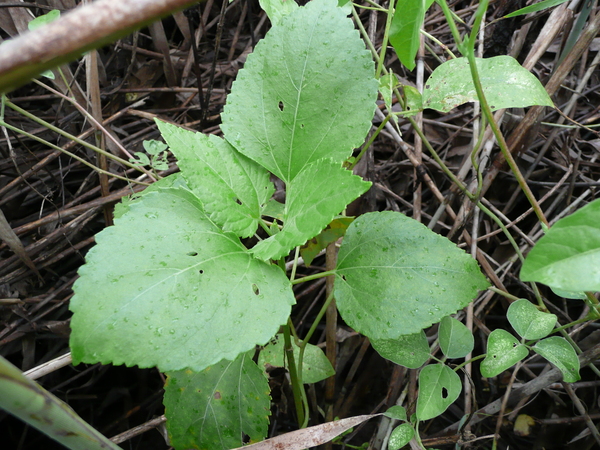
pixel 315 276
pixel 297 386
pixel 316 321
pixel 68 153
pixel 295 265
pixel 504 294
pixel 438 42
pixel 370 141
pixel 460 366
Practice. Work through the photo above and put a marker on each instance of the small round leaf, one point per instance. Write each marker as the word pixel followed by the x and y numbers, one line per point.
pixel 504 351
pixel 401 436
pixel 439 387
pixel 560 353
pixel 456 341
pixel 528 321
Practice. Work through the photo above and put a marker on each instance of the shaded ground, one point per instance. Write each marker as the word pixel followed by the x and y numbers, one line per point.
pixel 55 205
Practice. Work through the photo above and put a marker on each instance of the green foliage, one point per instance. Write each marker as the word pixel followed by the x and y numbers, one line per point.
pixel 276 9
pixel 401 436
pixel 316 366
pixel 503 352
pixel 306 93
pixel 560 353
pixel 394 276
pixel 505 82
pixel 545 4
pixel 528 321
pixel 568 256
pixel 409 350
pixel 158 155
pixel 396 412
pixel 456 341
pixel 214 408
pixel 405 30
pixel 166 301
pixel 439 387
pixel 335 230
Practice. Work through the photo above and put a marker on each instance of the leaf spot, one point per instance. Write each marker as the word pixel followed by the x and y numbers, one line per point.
pixel 201 271
pixel 192 253
pixel 280 106
pixel 217 395
pixel 255 289
pixel 444 392
pixel 238 201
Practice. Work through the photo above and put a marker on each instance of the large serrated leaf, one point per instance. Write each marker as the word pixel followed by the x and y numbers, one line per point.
pixel 506 84
pixel 568 256
pixel 307 92
pixel 528 321
pixel 315 196
pixel 559 352
pixel 234 189
pixel 397 277
pixel 439 387
pixel 503 352
pixel 405 30
pixel 166 287
pixel 214 409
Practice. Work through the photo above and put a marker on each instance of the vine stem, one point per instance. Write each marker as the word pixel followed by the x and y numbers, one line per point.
pixel 315 276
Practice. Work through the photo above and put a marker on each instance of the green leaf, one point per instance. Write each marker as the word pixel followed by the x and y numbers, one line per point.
pixel 569 294
pixel 313 199
pixel 214 408
pixel 568 256
pixel 559 352
pixel 545 4
pixel 439 387
pixel 506 84
pixel 397 277
pixel 396 412
pixel 276 9
pixel 503 352
pixel 529 322
pixel 456 341
pixel 306 93
pixel 405 30
pixel 166 287
pixel 335 230
pixel 43 20
pixel 154 147
pixel 410 350
pixel 414 101
pixel 387 83
pixel 315 365
pixel 401 436
pixel 234 189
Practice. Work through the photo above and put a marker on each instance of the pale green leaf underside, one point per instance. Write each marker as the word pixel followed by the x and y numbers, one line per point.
pixel 405 29
pixel 307 92
pixel 568 256
pixel 234 189
pixel 529 322
pixel 180 296
pixel 397 277
pixel 503 352
pixel 439 387
pixel 411 350
pixel 506 84
pixel 214 408
pixel 560 353
pixel 315 365
pixel 401 436
pixel 456 341
pixel 319 193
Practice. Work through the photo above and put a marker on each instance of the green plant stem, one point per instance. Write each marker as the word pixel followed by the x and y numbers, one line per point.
pixel 296 380
pixel 384 43
pixel 316 321
pixel 438 42
pixel 370 141
pixel 460 366
pixel 68 153
pixel 572 324
pixel 504 294
pixel 71 137
pixel 315 276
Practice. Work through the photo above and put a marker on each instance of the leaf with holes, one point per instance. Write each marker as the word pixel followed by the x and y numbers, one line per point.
pixel 234 189
pixel 216 407
pixel 506 84
pixel 528 321
pixel 568 256
pixel 410 350
pixel 456 341
pixel 180 296
pixel 559 352
pixel 317 194
pixel 503 352
pixel 439 387
pixel 405 30
pixel 307 92
pixel 397 277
